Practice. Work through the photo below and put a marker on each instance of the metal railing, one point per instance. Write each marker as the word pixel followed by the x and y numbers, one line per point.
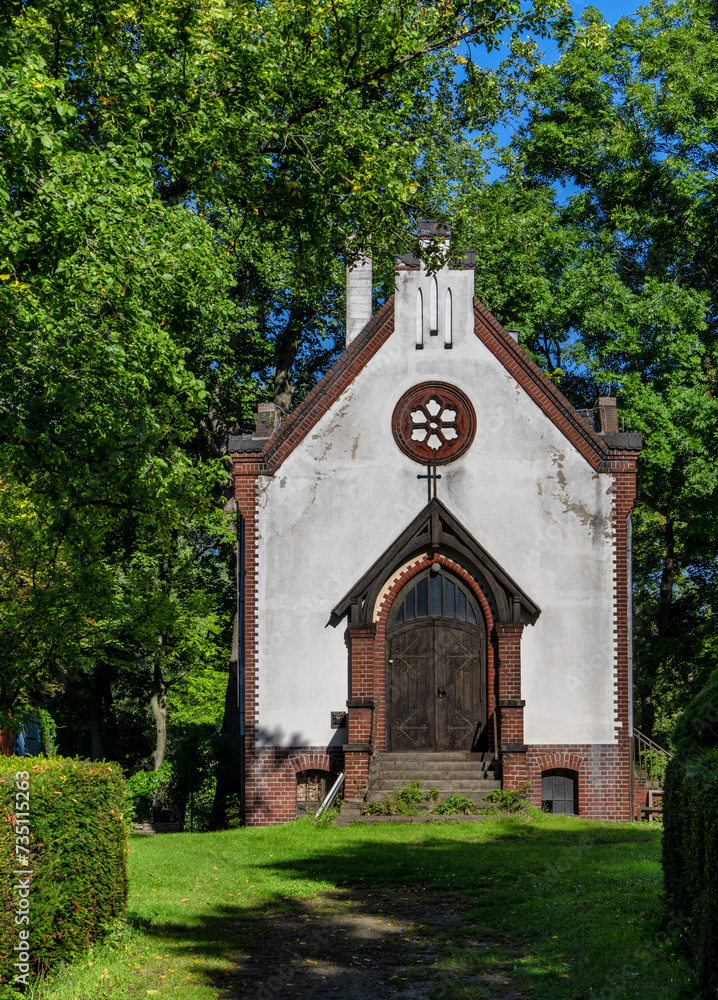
pixel 649 759
pixel 334 791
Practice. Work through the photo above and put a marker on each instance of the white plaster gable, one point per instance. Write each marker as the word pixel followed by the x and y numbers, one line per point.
pixel 443 302
pixel 345 493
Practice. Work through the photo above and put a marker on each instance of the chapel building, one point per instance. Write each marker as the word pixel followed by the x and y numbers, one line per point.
pixel 436 566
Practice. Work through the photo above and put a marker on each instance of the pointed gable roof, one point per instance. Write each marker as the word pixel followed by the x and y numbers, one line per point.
pixel 435 528
pixel 594 447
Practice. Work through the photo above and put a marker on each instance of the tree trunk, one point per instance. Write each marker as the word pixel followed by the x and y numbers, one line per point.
pixel 663 618
pixel 96 698
pixel 229 782
pixel 158 704
pixel 285 354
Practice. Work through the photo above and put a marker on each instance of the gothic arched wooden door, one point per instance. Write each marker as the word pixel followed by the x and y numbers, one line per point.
pixel 436 669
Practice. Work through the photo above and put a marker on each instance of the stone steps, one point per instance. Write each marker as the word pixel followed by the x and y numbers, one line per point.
pixel 444 784
pixel 450 773
pixel 476 795
pixel 440 756
pixel 429 772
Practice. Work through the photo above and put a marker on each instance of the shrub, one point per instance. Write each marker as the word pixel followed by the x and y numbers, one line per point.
pixel 455 805
pixel 196 755
pixel 507 800
pixel 73 851
pixel 148 791
pixel 185 784
pixel 410 794
pixel 690 858
pixel 405 801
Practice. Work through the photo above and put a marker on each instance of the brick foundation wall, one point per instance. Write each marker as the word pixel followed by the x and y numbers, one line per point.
pixel 603 791
pixel 271 785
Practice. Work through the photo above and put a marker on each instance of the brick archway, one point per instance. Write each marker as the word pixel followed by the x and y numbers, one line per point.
pixel 314 762
pixel 434 537
pixel 367 703
pixel 568 760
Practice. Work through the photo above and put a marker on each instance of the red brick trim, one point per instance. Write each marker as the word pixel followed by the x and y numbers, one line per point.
pixel 511 717
pixel 488 329
pixel 326 392
pixel 314 760
pixel 624 495
pixel 245 493
pixel 423 562
pixel 540 388
pixel 378 679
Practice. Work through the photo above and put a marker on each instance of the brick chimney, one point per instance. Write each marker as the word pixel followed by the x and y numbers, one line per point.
pixel 268 416
pixel 603 417
pixel 608 414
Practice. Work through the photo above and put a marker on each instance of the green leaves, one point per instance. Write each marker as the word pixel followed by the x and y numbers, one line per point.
pixel 626 120
pixel 106 289
pixel 181 187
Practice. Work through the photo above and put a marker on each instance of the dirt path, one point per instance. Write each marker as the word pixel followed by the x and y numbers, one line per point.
pixel 368 946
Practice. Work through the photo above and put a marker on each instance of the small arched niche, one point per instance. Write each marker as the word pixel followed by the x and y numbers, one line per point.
pixel 434 307
pixel 448 321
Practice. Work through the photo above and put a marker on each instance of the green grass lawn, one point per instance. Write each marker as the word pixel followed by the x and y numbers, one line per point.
pixel 532 906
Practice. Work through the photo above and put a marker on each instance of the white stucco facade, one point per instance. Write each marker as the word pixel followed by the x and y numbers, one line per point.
pixel 346 491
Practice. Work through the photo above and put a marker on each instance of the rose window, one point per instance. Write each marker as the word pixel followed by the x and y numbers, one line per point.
pixel 434 423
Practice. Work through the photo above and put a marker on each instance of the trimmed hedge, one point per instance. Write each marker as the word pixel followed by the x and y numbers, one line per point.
pixel 690 859
pixel 76 840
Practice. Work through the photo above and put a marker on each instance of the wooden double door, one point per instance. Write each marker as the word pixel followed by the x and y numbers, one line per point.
pixel 436 676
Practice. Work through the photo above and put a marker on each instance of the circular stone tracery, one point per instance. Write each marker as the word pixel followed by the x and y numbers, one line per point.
pixel 434 423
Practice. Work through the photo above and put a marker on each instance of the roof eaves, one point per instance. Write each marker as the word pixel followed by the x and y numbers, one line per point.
pixel 329 388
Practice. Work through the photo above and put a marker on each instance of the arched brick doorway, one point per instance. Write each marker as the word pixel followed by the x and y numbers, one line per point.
pixel 436 678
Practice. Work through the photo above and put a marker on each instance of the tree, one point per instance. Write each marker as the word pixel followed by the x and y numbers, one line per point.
pixel 177 181
pixel 613 283
pixel 101 287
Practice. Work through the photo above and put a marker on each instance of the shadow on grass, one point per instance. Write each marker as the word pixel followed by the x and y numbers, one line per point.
pixel 533 912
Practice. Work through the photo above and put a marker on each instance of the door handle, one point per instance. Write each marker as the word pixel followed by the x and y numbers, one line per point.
pixel 441 692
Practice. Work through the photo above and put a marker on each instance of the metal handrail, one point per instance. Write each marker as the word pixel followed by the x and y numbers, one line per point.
pixel 650 758
pixel 331 796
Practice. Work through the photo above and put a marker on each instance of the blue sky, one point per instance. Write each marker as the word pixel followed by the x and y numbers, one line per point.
pixel 612 10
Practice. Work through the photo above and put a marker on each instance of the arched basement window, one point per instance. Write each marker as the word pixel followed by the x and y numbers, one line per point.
pixel 312 788
pixel 559 791
pixel 436 595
